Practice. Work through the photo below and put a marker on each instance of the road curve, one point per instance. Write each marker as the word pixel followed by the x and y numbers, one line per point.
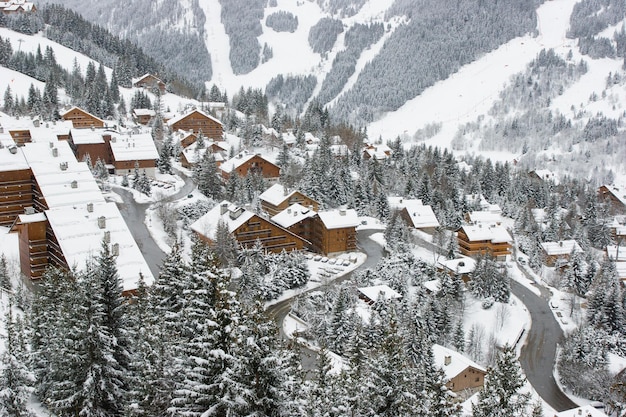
pixel 539 351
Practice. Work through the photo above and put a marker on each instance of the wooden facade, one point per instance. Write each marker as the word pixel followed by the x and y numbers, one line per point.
pixel 254 165
pixel 33 244
pixel 469 379
pixel 615 195
pixel 16 193
pixel 198 122
pixel 150 82
pixel 81 119
pixel 295 197
pixel 498 249
pixel 332 240
pixel 21 136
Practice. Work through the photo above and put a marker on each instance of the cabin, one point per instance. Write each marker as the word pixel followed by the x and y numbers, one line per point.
pixel 297 219
pixel 615 195
pixel 544 175
pixel 31 228
pixel 558 253
pixel 133 150
pixel 248 163
pixel 415 214
pixel 92 144
pixel 377 293
pixel 247 228
pixel 334 231
pixel 461 267
pixel 185 139
pixel 378 152
pixel 191 155
pixel 82 119
pixel 198 122
pixel 277 198
pixel 143 116
pixel 149 82
pixel 462 374
pixel 482 239
pixel 9 7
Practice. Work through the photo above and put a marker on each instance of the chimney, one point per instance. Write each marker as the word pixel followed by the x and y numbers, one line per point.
pixel 447 360
pixel 223 208
pixel 90 207
pixel 342 212
pixel 561 243
pixel 63 166
pixel 107 236
pixel 13 149
pixel 74 184
pixel 102 222
pixel 51 144
pixel 36 122
pixel 55 152
pixel 115 249
pixel 29 210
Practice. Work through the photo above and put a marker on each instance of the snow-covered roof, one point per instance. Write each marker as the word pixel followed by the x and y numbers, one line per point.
pixel 144 112
pixel 63 181
pixel 620 268
pixel 477 199
pixel 147 75
pixel 180 117
pixel 80 233
pixel 584 411
pixel 133 147
pixel 493 233
pixel 231 214
pixel 193 155
pixel 433 285
pixel 339 219
pixel 616 253
pixel 457 363
pixel 374 293
pixel 546 175
pixel 562 247
pixel 292 215
pixel 87 136
pixel 618 191
pixel 31 218
pixel 379 152
pixel 492 214
pixel 339 150
pixel 82 111
pixel 276 194
pixel 460 265
pixel 240 159
pixel 421 216
pixel 11 158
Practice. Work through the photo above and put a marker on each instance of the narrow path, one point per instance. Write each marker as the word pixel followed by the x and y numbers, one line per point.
pixel 539 351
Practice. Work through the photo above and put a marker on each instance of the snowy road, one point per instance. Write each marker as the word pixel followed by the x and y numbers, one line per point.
pixel 538 353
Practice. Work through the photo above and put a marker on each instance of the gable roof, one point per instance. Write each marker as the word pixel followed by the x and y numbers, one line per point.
pixel 421 216
pixel 231 214
pixel 276 194
pixel 492 233
pixel 82 111
pixel 458 362
pixel 562 247
pixel 133 147
pixel 460 265
pixel 292 215
pixel 373 293
pixel 339 219
pixel 180 117
pixel 80 233
pixel 239 160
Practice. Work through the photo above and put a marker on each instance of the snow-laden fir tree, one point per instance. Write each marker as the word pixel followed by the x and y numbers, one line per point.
pixel 5 278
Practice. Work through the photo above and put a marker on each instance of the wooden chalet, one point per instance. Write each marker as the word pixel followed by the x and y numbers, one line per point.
pixel 249 163
pixel 198 122
pixel 16 185
pixel 378 293
pixel 247 228
pixel 149 82
pixel 191 155
pixel 9 7
pixel 298 220
pixel 462 374
pixel 277 198
pixel 460 267
pixel 558 253
pixel 186 138
pixel 544 175
pixel 334 231
pixel 82 119
pixel 415 214
pixel 143 116
pixel 614 194
pixel 378 152
pixel 483 239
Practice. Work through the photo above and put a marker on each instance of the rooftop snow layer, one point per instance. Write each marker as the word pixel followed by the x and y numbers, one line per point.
pixel 340 218
pixel 458 363
pixel 292 215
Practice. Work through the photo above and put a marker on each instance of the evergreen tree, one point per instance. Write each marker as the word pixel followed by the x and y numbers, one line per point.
pixel 165 162
pixel 501 395
pixel 5 279
pixel 15 378
pixel 8 103
pixel 206 176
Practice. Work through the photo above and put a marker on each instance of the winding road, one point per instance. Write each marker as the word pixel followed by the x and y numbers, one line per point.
pixel 537 355
pixel 539 351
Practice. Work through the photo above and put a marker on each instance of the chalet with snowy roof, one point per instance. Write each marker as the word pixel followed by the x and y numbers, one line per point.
pixel 143 116
pixel 92 144
pixel 415 214
pixel 460 267
pixel 544 175
pixel 616 195
pixel 334 231
pixel 16 186
pixel 618 228
pixel 582 411
pixel 132 150
pixel 490 213
pixel 297 219
pixel 185 138
pixel 17 6
pixel 247 228
pixel 461 373
pixel 82 119
pixel 192 155
pixel 483 239
pixel 198 122
pixel 149 82
pixel 378 293
pixel 558 253
pixel 33 130
pixel 278 197
pixel 246 163
pixel 378 152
